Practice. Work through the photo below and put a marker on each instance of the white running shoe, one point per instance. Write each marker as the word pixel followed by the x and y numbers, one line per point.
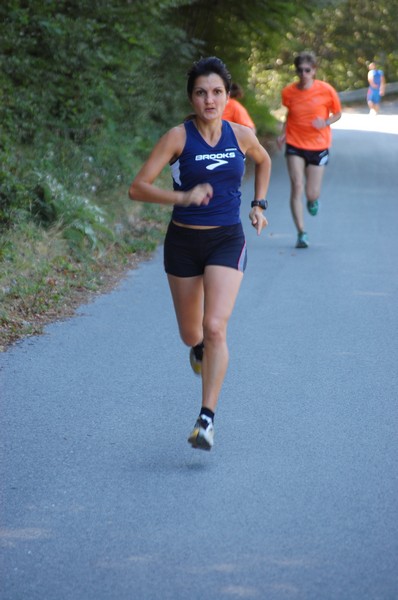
pixel 202 436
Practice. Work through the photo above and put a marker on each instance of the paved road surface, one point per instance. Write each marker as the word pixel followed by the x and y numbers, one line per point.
pixel 102 497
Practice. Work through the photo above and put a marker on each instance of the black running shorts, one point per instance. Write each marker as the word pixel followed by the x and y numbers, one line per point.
pixel 188 251
pixel 319 158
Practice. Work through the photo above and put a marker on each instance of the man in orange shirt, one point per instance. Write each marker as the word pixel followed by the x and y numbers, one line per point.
pixel 313 106
pixel 235 111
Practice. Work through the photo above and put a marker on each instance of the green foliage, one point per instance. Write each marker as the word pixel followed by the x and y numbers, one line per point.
pixel 69 67
pixel 84 92
pixel 241 33
pixel 81 221
pixel 358 33
pixel 14 194
pixel 346 35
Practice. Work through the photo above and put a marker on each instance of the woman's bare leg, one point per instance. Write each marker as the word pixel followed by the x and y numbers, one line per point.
pixel 314 177
pixel 221 287
pixel 203 306
pixel 296 170
pixel 188 299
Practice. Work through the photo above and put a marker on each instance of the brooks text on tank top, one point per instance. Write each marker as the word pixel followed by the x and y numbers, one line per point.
pixel 222 166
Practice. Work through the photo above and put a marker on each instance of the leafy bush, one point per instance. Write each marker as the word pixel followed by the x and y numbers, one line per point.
pixel 81 221
pixel 16 190
pixel 84 90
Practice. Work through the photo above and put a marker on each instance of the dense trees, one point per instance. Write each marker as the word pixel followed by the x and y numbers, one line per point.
pixel 86 84
pixel 82 82
pixel 71 66
pixel 345 35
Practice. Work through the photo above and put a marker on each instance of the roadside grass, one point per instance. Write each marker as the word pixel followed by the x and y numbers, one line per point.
pixel 46 272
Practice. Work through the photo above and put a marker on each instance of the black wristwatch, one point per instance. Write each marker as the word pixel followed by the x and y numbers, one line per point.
pixel 261 203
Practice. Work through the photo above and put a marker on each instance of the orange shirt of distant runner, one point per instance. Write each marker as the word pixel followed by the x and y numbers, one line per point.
pixel 237 113
pixel 304 106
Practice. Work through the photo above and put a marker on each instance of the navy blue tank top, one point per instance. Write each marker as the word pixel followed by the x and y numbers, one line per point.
pixel 222 166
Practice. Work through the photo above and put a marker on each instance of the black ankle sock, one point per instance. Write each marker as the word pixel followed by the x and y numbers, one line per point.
pixel 206 411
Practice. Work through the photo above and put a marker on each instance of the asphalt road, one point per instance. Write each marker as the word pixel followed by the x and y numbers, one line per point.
pixel 103 499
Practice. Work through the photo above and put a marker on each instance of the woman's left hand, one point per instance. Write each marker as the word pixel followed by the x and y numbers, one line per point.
pixel 258 219
pixel 319 123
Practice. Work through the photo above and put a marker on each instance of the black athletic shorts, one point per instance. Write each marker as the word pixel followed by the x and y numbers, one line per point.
pixel 188 251
pixel 319 158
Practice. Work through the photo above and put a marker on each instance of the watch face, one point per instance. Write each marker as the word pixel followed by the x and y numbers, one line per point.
pixel 261 203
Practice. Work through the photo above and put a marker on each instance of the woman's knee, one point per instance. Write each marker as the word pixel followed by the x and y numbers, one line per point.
pixel 314 182
pixel 312 193
pixel 297 187
pixel 215 329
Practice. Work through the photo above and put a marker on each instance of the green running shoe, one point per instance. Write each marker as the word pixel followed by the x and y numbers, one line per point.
pixel 302 240
pixel 313 207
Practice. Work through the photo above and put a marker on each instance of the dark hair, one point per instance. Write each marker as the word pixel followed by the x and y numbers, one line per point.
pixel 305 57
pixel 207 66
pixel 236 91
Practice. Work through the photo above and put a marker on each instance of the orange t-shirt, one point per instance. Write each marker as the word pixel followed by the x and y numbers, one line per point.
pixel 236 112
pixel 320 100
